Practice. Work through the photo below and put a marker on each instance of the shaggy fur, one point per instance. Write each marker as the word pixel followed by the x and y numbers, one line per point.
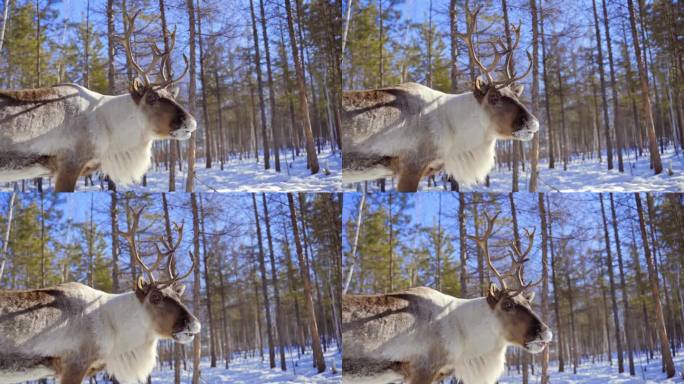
pixel 422 336
pixel 72 330
pixel 68 130
pixel 410 129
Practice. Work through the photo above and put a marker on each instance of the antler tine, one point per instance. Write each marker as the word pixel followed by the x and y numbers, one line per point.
pixel 173 278
pixel 509 71
pixel 471 20
pixel 520 260
pixel 125 40
pixel 134 215
pixel 483 242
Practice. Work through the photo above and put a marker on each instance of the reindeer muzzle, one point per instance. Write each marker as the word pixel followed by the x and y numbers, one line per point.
pixel 540 342
pixel 185 128
pixel 187 334
pixel 527 129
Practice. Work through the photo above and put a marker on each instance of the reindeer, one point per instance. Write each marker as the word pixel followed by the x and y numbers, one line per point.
pixel 71 331
pixel 411 131
pixel 421 336
pixel 67 131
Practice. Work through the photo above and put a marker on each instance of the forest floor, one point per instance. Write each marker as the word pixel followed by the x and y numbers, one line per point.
pixel 583 176
pixel 256 370
pixel 602 372
pixel 237 176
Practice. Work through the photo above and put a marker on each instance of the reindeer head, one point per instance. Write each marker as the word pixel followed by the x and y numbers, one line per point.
pixel 500 99
pixel 511 305
pixel 157 101
pixel 162 299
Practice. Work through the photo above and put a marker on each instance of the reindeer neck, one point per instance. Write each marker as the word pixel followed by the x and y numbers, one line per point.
pixel 124 121
pixel 130 324
pixel 481 331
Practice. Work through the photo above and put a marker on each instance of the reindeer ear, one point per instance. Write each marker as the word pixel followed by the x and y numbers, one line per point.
pixel 518 89
pixel 493 295
pixel 179 288
pixel 141 288
pixel 480 88
pixel 529 296
pixel 137 89
pixel 174 92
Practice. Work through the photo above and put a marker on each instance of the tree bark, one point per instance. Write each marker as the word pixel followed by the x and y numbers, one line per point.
pixel 655 290
pixel 312 157
pixel 5 242
pixel 276 291
pixel 556 296
pixel 5 17
pixel 545 283
pixel 319 361
pixel 534 151
pixel 196 301
pixel 207 288
pixel 606 123
pixel 646 100
pixel 619 130
pixel 203 79
pixel 260 87
pixel 192 91
pixel 264 286
pixel 611 280
pixel 625 299
pixel 271 92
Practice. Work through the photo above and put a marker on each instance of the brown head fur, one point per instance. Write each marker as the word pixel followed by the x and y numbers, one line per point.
pixel 163 112
pixel 520 324
pixel 165 307
pixel 504 107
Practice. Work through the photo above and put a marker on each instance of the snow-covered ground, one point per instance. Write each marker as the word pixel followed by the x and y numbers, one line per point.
pixel 256 371
pixel 239 176
pixel 584 176
pixel 600 373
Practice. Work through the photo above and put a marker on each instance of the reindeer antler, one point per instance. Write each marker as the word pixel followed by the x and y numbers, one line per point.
pixel 169 252
pixel 483 242
pixel 157 57
pixel 471 21
pixel 518 258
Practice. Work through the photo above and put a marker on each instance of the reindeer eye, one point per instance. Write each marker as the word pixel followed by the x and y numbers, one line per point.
pixel 494 99
pixel 155 297
pixel 507 306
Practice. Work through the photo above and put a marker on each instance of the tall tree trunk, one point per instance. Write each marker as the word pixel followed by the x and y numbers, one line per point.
pixel 114 218
pixel 260 87
pixel 655 290
pixel 203 79
pixel 169 238
pixel 453 39
pixel 312 157
pixel 551 145
pixel 319 361
pixel 5 18
pixel 606 123
pixel 276 291
pixel 462 245
pixel 534 151
pixel 8 227
pixel 611 280
pixel 196 301
pixel 264 286
pixel 207 288
pixel 545 284
pixel 271 92
pixel 192 104
pixel 556 287
pixel 646 100
pixel 619 130
pixel 86 50
pixel 293 290
pixel 625 299
pixel 172 155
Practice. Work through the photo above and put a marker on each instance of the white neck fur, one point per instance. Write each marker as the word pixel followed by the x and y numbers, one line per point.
pixel 480 357
pixel 466 142
pixel 131 353
pixel 125 147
